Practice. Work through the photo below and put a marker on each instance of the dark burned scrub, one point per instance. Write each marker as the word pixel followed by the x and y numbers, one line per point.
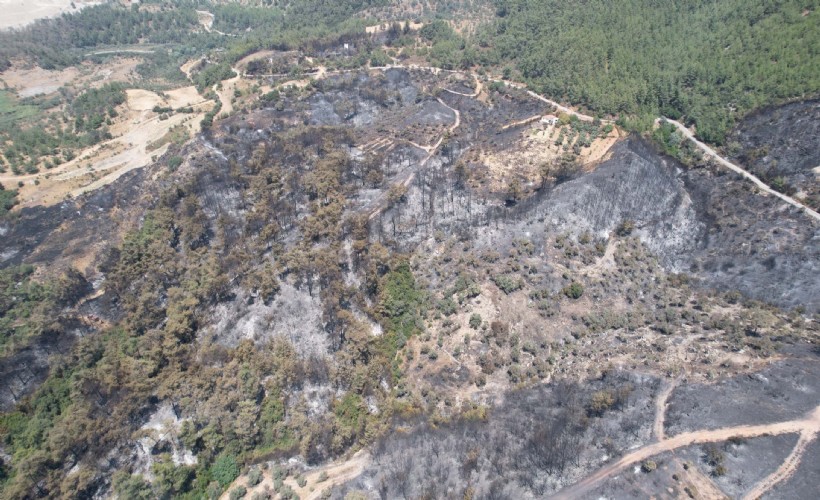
pixel 192 250
pixel 30 308
pixel 518 448
pixel 424 284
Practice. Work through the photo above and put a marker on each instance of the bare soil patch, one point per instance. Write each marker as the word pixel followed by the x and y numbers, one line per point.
pixel 17 13
pixel 29 81
pixel 414 26
pixel 536 147
pixel 136 127
pixel 318 480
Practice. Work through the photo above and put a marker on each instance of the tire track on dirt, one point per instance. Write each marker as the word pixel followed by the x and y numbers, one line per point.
pixel 810 424
pixel 660 408
pixel 381 200
pixel 735 168
pixel 786 470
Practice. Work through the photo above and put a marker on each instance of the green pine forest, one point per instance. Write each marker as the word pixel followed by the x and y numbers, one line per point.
pixel 708 61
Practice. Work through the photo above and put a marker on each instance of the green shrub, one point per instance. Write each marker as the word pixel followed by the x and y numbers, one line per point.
pixel 8 198
pixel 278 473
pixel 475 321
pixel 600 402
pixel 507 283
pixel 132 486
pixel 254 477
pixel 625 228
pixel 271 96
pixel 448 306
pixel 649 466
pixel 174 162
pixel 224 470
pixel 286 492
pixel 238 492
pixel 574 291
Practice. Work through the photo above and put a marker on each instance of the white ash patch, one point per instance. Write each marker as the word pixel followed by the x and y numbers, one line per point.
pixel 294 315
pixel 162 428
pixel 316 398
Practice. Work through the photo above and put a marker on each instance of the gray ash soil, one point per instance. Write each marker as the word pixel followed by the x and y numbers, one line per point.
pixel 57 235
pixel 23 372
pixel 635 184
pixel 782 142
pixel 803 484
pixel 755 244
pixel 747 462
pixel 786 390
pixel 702 221
pixel 535 442
pixel 634 483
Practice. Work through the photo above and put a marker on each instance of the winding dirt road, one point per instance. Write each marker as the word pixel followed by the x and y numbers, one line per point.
pixel 786 470
pixel 735 168
pixel 381 200
pixel 478 88
pixel 660 408
pixel 807 426
pixel 120 51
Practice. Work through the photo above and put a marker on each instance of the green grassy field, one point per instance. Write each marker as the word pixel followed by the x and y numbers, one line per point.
pixel 12 112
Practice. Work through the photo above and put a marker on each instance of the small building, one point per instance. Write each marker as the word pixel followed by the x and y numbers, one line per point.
pixel 549 120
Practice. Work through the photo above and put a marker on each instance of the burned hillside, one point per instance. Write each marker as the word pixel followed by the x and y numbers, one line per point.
pixel 342 257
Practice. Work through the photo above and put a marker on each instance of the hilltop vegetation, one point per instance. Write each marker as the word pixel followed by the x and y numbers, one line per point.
pixel 710 63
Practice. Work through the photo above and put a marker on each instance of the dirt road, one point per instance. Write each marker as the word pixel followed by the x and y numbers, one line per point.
pixel 786 470
pixel 735 168
pixel 660 408
pixel 809 425
pixel 120 51
pixel 317 481
pixel 557 106
pixel 226 94
pixel 381 200
pixel 478 88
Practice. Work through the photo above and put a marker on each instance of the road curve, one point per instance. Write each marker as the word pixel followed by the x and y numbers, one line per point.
pixel 809 425
pixel 735 168
pixel 786 469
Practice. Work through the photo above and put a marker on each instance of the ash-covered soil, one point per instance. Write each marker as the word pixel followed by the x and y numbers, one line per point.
pixel 781 142
pixel 803 484
pixel 704 221
pixel 255 191
pixel 745 461
pixel 65 235
pixel 786 390
pixel 687 470
pixel 535 442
